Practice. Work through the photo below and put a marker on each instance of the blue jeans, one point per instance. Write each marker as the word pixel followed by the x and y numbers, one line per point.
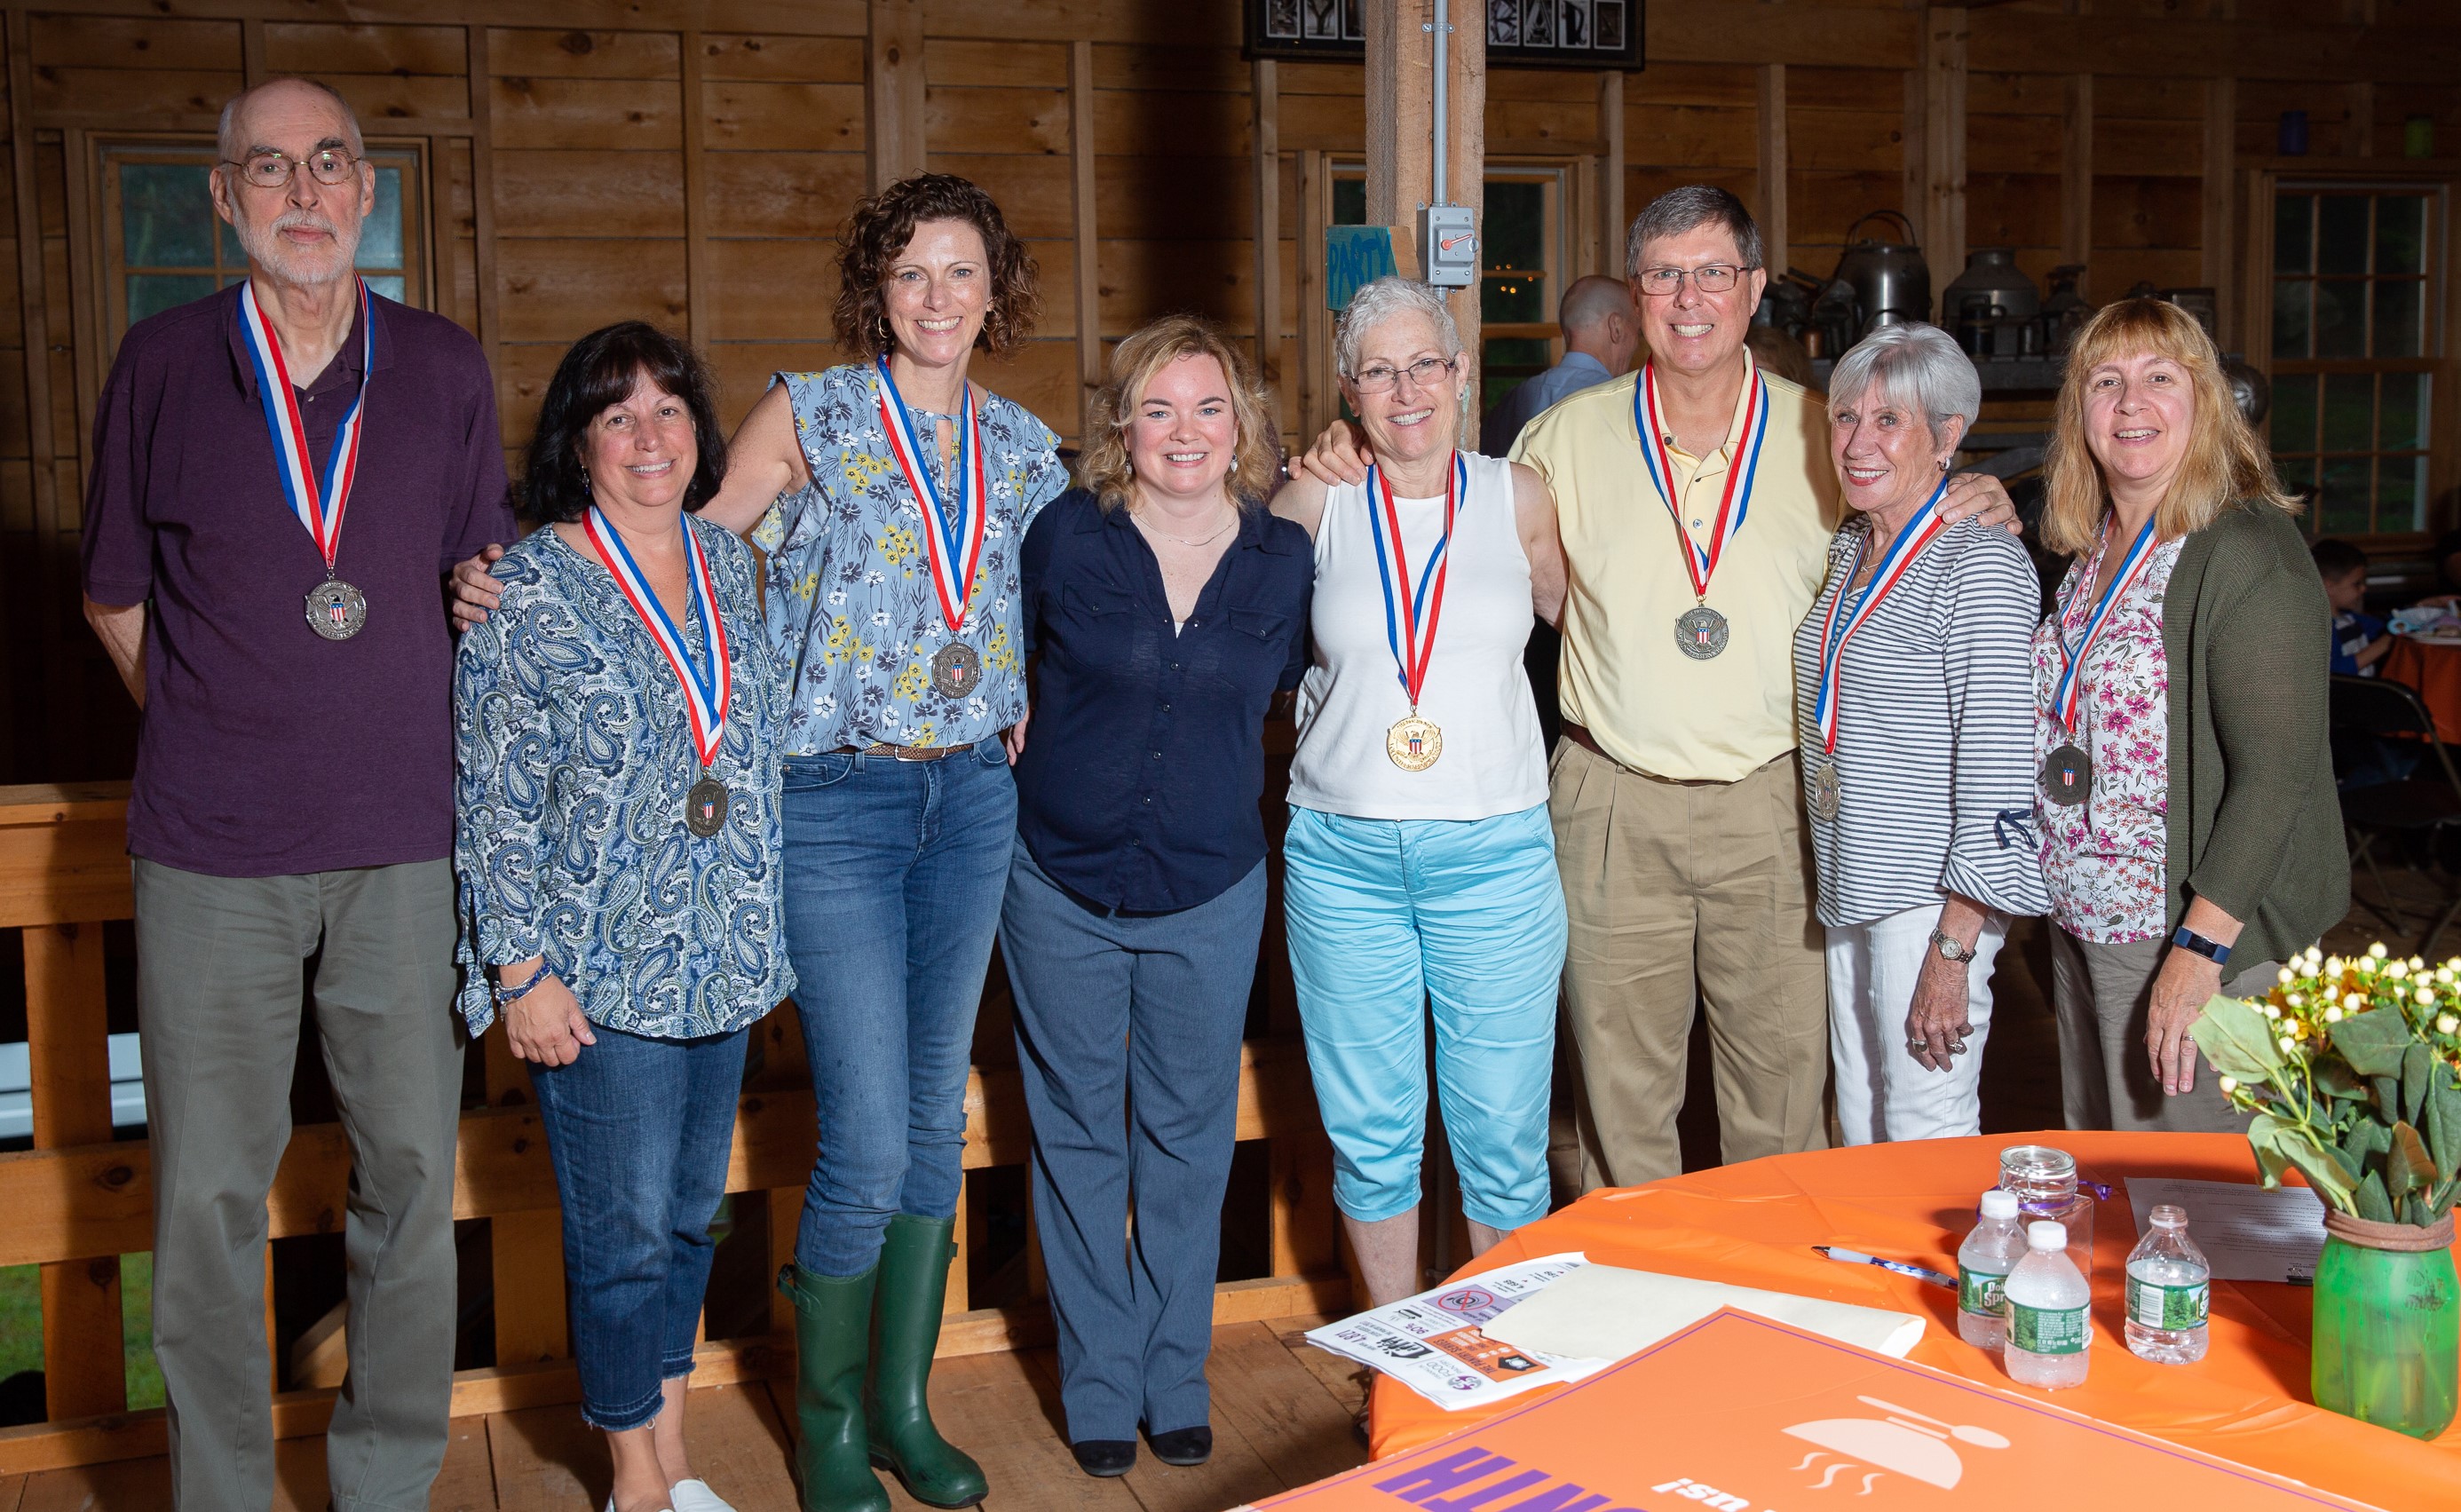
pixel 1385 916
pixel 638 1131
pixel 895 871
pixel 1127 1034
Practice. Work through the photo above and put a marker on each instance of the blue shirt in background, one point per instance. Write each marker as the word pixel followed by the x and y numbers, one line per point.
pixel 2352 633
pixel 1145 761
pixel 1577 371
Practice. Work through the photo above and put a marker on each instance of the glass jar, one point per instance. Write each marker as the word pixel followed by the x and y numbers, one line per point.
pixel 2045 1181
pixel 2388 1325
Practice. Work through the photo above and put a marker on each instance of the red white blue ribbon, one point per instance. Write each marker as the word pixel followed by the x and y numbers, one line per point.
pixel 1408 610
pixel 2064 700
pixel 1699 561
pixel 954 546
pixel 1920 530
pixel 318 506
pixel 707 691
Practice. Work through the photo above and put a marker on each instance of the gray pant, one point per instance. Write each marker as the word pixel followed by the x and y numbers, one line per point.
pixel 220 961
pixel 2101 995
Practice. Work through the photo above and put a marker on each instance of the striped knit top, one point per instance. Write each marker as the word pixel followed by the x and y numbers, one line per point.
pixel 1935 753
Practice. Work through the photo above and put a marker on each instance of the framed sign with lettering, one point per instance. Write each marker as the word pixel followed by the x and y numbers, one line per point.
pixel 1520 34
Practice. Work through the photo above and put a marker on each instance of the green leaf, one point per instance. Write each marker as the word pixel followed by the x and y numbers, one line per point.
pixel 2337 1081
pixel 2366 1137
pixel 2418 1071
pixel 2440 1201
pixel 2372 1203
pixel 2373 1041
pixel 2413 1210
pixel 2407 1167
pixel 2388 1101
pixel 2238 1039
pixel 2287 1141
pixel 2444 1124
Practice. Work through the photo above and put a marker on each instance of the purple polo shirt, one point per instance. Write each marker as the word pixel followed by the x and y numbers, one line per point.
pixel 267 750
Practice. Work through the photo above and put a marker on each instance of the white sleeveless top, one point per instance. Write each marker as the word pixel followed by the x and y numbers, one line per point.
pixel 1476 691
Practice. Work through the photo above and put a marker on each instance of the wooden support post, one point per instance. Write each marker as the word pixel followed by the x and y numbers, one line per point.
pixel 34 318
pixel 696 303
pixel 1089 257
pixel 1773 166
pixel 1612 231
pixel 1400 147
pixel 1315 322
pixel 1944 217
pixel 1266 133
pixel 2076 176
pixel 483 197
pixel 68 1054
pixel 2220 203
pixel 526 1250
pixel 893 92
pixel 2358 136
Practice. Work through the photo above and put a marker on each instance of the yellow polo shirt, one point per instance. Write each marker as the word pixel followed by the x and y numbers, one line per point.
pixel 1646 703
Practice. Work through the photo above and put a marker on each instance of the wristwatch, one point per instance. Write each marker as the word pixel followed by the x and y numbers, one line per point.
pixel 1949 948
pixel 2186 939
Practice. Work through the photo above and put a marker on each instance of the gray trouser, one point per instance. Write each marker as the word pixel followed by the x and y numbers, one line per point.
pixel 2101 994
pixel 220 961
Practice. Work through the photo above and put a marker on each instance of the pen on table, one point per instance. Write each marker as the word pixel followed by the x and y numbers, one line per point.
pixel 1857 1258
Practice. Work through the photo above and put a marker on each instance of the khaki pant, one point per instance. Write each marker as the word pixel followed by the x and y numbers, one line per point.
pixel 2101 995
pixel 220 961
pixel 1681 893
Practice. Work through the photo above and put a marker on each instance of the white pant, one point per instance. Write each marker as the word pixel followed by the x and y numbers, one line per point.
pixel 1883 1093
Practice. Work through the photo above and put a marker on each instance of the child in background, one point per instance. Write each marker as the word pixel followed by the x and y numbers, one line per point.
pixel 2358 638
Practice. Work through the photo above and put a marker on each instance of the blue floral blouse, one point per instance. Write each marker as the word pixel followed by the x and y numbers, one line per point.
pixel 572 754
pixel 855 618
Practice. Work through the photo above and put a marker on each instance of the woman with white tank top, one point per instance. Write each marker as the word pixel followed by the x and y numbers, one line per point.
pixel 1420 866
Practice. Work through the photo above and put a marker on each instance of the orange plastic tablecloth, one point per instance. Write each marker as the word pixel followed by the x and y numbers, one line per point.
pixel 1754 1224
pixel 2436 671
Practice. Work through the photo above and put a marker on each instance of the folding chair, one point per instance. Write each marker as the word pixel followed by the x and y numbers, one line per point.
pixel 2425 807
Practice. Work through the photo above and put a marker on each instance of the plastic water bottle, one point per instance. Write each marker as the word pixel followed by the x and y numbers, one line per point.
pixel 2169 1285
pixel 2048 1328
pixel 1983 1263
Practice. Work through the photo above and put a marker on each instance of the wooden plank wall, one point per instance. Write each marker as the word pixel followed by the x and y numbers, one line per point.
pixel 685 161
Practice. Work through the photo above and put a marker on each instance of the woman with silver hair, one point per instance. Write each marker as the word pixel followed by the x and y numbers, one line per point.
pixel 1420 861
pixel 1913 710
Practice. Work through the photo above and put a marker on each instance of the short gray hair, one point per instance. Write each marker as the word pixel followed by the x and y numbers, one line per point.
pixel 1378 302
pixel 226 131
pixel 1917 365
pixel 1689 209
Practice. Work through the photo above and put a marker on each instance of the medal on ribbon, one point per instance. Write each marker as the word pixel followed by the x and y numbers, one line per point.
pixel 953 543
pixel 336 609
pixel 1701 631
pixel 707 690
pixel 2068 772
pixel 1920 530
pixel 1410 613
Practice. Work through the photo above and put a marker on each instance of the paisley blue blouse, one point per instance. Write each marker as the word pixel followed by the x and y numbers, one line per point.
pixel 855 619
pixel 572 756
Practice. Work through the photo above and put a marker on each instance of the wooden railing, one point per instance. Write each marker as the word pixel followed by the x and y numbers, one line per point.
pixel 79 1200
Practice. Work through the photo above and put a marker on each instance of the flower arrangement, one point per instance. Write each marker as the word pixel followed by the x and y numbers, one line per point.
pixel 2353 1069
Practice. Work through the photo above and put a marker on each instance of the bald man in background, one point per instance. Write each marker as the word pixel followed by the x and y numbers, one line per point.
pixel 1601 332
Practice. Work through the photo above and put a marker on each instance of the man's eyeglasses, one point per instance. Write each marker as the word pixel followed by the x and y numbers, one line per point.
pixel 330 167
pixel 1715 279
pixel 1382 377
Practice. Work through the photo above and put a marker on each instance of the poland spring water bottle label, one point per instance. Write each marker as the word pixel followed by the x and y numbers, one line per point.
pixel 1981 1293
pixel 2155 1305
pixel 2046 1330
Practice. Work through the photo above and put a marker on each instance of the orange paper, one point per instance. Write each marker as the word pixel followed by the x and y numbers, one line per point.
pixel 1739 1414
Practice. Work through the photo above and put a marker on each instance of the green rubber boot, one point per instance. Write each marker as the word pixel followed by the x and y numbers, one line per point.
pixel 905 1331
pixel 832 1335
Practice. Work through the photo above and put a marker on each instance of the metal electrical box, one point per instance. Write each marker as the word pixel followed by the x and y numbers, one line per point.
pixel 1448 244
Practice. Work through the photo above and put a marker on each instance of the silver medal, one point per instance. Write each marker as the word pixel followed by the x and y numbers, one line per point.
pixel 1827 793
pixel 336 610
pixel 1701 631
pixel 2067 776
pixel 957 670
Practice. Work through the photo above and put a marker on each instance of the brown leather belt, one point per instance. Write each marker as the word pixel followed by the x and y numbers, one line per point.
pixel 1580 736
pixel 882 748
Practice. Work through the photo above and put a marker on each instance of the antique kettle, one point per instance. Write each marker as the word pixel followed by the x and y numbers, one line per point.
pixel 1890 281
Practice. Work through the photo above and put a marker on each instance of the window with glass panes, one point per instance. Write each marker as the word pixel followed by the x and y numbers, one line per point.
pixel 164 245
pixel 2354 342
pixel 1519 236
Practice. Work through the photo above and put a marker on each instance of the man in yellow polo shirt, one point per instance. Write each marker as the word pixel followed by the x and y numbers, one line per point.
pixel 1696 544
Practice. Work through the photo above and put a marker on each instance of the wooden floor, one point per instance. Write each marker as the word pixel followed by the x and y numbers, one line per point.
pixel 1282 1416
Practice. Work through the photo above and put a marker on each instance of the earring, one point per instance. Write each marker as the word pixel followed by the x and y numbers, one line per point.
pixel 1943 464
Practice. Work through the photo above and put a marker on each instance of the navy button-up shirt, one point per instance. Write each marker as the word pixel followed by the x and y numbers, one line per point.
pixel 1145 759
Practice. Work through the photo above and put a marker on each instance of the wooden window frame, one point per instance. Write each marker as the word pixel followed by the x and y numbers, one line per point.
pixel 2259 186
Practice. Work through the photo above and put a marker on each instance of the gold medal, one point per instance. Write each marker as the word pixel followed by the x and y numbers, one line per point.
pixel 1414 743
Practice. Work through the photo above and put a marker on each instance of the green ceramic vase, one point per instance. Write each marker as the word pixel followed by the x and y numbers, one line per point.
pixel 2387 1333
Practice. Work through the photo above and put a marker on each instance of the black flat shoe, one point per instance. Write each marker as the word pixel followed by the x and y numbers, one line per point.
pixel 1106 1457
pixel 1183 1446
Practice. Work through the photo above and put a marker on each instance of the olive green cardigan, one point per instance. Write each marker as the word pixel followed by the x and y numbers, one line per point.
pixel 2256 822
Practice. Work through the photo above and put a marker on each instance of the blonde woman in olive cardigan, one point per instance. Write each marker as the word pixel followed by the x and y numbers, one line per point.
pixel 2191 834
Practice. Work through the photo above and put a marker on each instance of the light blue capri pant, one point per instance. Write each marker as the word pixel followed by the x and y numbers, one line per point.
pixel 1385 915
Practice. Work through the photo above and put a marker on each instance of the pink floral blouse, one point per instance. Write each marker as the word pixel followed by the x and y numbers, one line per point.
pixel 2104 858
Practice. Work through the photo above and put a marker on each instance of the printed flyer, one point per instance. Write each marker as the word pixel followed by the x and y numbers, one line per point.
pixel 1433 1344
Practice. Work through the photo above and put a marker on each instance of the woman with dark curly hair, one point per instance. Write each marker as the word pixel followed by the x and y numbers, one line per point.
pixel 615 736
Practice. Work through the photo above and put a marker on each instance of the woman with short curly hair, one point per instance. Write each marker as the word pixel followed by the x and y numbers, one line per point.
pixel 1166 607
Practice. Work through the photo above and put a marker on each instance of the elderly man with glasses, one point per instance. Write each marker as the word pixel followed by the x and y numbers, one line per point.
pixel 283 473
